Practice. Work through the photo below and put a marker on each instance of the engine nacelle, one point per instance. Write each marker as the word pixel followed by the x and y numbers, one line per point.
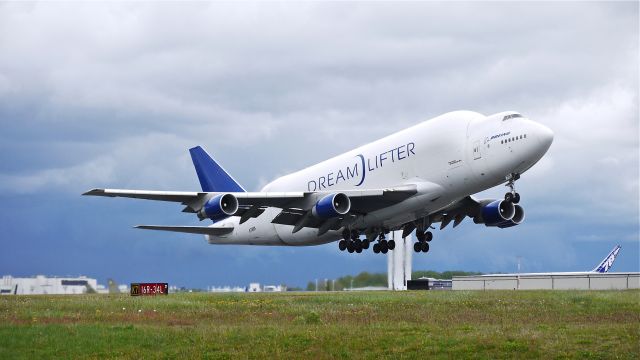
pixel 331 206
pixel 498 212
pixel 517 219
pixel 219 207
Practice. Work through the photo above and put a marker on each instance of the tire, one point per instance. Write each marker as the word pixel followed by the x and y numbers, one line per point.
pixel 416 247
pixel 358 249
pixel 384 246
pixel 365 244
pixel 516 198
pixel 508 197
pixel 428 236
pixel 358 243
pixel 342 245
pixel 391 244
pixel 350 247
pixel 425 247
pixel 376 248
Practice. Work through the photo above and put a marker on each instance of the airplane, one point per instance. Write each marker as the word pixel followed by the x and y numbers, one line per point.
pixel 601 268
pixel 410 180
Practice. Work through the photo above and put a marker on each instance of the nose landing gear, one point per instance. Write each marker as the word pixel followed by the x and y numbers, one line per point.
pixel 512 196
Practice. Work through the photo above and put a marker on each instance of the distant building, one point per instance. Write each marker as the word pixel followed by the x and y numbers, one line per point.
pixel 41 285
pixel 549 281
pixel 425 283
pixel 226 289
pixel 254 287
pixel 274 288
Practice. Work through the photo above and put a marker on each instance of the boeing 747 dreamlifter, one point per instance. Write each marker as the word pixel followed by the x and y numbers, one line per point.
pixel 406 181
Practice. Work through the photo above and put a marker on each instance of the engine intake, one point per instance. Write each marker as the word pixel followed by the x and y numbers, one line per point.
pixel 517 218
pixel 331 206
pixel 498 212
pixel 219 207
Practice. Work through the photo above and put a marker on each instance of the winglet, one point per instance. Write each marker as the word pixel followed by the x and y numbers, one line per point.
pixel 213 178
pixel 606 264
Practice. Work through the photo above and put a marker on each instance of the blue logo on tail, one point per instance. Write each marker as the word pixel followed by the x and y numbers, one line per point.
pixel 606 264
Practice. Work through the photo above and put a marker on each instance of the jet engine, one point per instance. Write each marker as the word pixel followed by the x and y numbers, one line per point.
pixel 497 212
pixel 331 206
pixel 518 217
pixel 219 207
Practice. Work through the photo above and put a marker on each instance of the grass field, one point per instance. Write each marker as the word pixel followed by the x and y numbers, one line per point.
pixel 444 324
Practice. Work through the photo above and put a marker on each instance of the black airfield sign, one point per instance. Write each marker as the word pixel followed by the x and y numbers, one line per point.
pixel 141 289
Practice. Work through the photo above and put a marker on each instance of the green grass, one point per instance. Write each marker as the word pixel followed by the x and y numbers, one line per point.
pixel 437 324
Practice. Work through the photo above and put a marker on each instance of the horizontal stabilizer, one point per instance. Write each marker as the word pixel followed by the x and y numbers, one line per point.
pixel 203 230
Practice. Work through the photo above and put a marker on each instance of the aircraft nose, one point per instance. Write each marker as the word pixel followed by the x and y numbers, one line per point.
pixel 544 136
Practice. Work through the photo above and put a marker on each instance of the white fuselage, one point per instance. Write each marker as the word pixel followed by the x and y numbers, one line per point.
pixel 453 155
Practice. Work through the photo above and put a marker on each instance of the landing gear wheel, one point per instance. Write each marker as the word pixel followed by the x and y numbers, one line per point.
pixel 357 243
pixel 424 247
pixel 376 248
pixel 350 247
pixel 391 244
pixel 365 244
pixel 417 247
pixel 512 196
pixel 384 247
pixel 428 236
pixel 342 245
pixel 384 250
pixel 508 197
pixel 358 249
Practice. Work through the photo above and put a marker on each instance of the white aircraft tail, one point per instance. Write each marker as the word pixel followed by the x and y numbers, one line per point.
pixel 607 262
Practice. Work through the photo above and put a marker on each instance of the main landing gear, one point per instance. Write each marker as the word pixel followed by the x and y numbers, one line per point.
pixel 512 196
pixel 383 245
pixel 423 241
pixel 352 243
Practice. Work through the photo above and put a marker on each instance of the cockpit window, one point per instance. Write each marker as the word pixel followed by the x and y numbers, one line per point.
pixel 511 116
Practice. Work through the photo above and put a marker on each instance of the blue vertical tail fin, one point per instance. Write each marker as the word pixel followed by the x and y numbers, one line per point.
pixel 213 178
pixel 605 264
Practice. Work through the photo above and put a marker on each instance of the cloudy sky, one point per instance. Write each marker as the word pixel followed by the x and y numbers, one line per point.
pixel 113 95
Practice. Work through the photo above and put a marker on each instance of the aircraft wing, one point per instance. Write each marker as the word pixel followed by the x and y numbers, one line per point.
pixel 204 230
pixel 176 196
pixel 362 201
pixel 295 205
pixel 457 211
pixel 467 206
